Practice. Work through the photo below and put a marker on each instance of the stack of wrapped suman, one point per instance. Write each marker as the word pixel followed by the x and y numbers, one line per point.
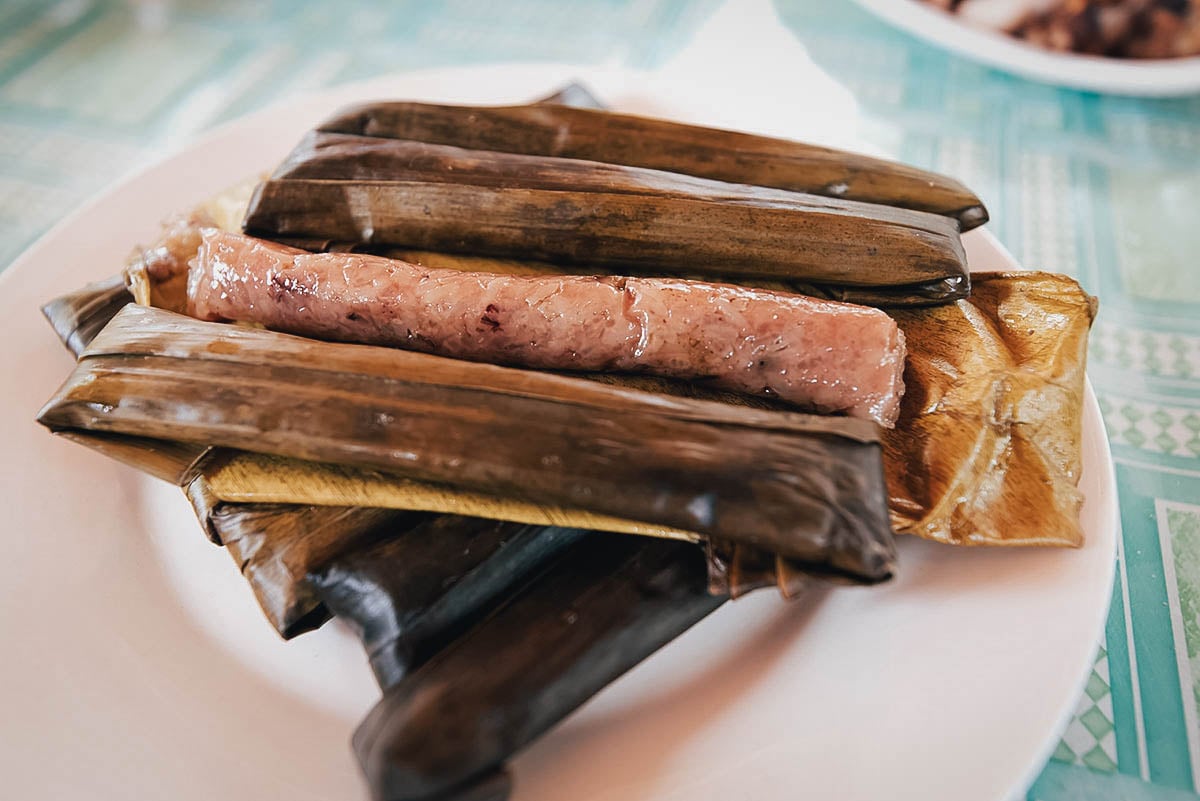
pixel 523 393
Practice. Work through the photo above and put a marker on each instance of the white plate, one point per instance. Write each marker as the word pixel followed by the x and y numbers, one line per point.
pixel 1142 77
pixel 137 665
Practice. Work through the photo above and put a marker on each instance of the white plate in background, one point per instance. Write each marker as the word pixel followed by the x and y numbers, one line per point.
pixel 1138 77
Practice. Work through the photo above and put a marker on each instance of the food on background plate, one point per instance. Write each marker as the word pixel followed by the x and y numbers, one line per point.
pixel 818 354
pixel 443 507
pixel 1139 29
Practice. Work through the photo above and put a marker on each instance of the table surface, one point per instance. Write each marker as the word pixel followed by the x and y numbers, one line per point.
pixel 1102 188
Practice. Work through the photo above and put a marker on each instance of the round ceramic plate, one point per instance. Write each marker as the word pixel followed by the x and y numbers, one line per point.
pixel 1147 78
pixel 137 665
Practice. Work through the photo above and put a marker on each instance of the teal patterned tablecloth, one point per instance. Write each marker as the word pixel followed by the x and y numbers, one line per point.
pixel 1106 189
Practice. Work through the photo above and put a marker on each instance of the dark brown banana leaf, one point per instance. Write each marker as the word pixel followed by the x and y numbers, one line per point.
pixel 720 230
pixel 735 569
pixel 276 544
pixel 78 316
pixel 180 463
pixel 597 135
pixel 809 488
pixel 408 596
pixel 987 450
pixel 447 729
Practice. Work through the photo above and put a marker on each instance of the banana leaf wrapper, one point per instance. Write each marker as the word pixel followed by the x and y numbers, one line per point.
pixel 991 421
pixel 155 275
pixel 809 488
pixel 625 226
pixel 273 544
pixel 78 316
pixel 446 730
pixel 597 135
pixel 735 569
pixel 410 595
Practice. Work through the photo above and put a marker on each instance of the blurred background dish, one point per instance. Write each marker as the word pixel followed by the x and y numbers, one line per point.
pixel 1061 42
pixel 1139 29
